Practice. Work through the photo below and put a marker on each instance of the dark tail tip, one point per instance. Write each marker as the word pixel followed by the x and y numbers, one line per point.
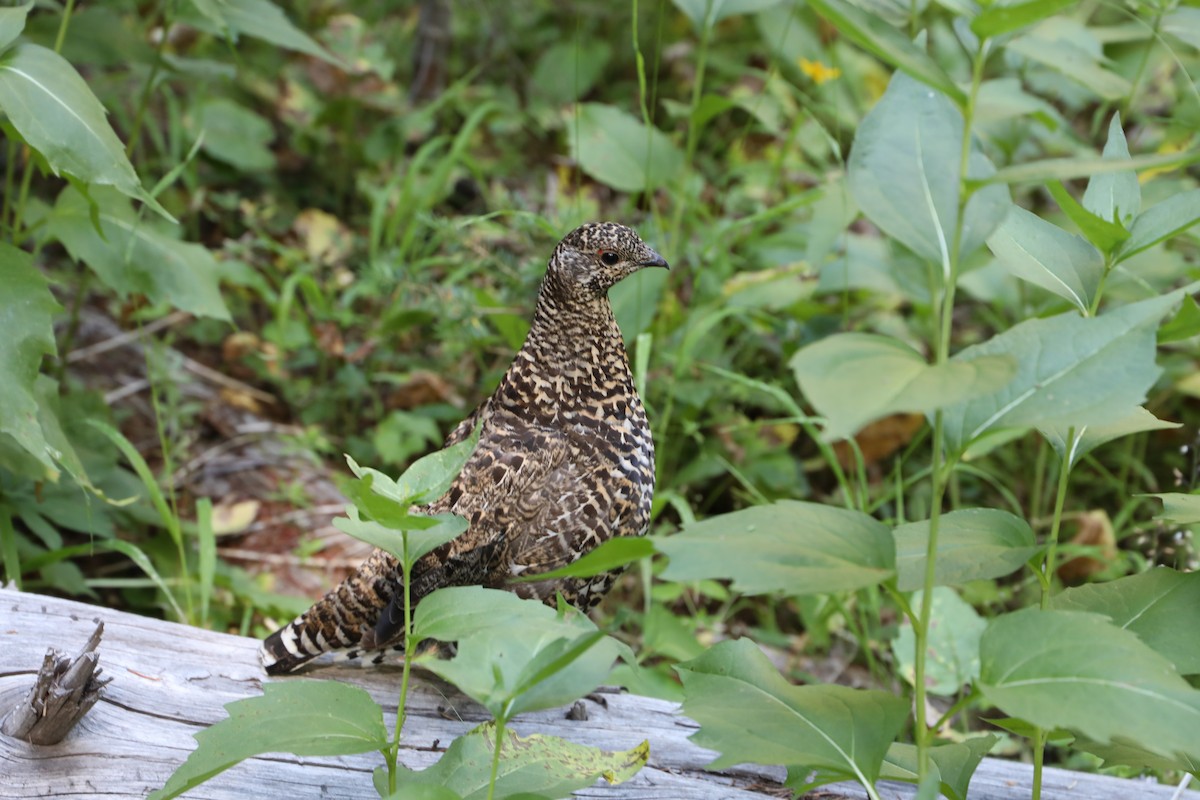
pixel 280 652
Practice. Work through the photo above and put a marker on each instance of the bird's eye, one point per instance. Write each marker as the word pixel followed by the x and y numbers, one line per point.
pixel 609 258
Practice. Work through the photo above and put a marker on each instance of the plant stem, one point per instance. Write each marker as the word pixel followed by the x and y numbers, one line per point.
pixel 139 115
pixel 62 26
pixel 1039 755
pixel 500 722
pixel 938 471
pixel 1060 499
pixel 394 751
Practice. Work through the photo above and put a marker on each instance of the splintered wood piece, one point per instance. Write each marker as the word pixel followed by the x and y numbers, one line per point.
pixel 65 689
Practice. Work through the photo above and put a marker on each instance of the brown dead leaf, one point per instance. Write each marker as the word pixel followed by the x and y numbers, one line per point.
pixel 880 439
pixel 421 389
pixel 323 236
pixel 329 339
pixel 1094 528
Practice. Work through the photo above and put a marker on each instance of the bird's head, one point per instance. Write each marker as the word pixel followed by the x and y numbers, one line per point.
pixel 595 256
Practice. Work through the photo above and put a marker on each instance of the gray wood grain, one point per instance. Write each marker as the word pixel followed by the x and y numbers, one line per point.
pixel 169 681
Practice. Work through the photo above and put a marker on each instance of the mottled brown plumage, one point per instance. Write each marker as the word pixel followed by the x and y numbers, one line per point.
pixel 565 461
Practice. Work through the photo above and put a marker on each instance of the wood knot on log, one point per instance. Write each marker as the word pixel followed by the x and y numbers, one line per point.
pixel 66 688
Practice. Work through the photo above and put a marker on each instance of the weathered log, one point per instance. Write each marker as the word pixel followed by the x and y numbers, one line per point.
pixel 170 681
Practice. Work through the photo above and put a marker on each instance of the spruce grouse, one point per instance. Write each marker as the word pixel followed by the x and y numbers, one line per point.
pixel 564 462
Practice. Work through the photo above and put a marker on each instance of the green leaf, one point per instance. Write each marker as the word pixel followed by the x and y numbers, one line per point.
pixel 1104 234
pixel 1114 196
pixel 1047 256
pixel 749 713
pixel 619 151
pixel 706 13
pixel 511 667
pixel 1065 48
pixel 426 479
pixel 419 541
pixel 955 763
pixel 307 718
pixel 1079 671
pixel 458 612
pixel 973 544
pixel 1184 325
pixel 56 113
pixel 854 378
pixel 1134 756
pixel 1071 371
pixel 999 19
pixel 1178 508
pixel 1152 605
pixel 901 178
pixel 131 256
pixel 12 22
pixel 542 765
pixel 26 317
pixel 1074 442
pixel 262 20
pixel 1184 24
pixel 1061 169
pixel 613 554
pixel 952 652
pixel 1158 223
pixel 788 546
pixel 235 135
pixel 568 70
pixel 884 41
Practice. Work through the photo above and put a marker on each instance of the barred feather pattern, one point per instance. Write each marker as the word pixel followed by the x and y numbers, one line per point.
pixel 565 461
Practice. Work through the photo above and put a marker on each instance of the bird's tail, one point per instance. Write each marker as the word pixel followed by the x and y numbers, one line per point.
pixel 337 622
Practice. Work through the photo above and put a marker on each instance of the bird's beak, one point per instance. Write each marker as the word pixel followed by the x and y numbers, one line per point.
pixel 655 260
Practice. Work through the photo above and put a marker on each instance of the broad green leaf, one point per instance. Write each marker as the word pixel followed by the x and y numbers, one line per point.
pixel 952 652
pixel 235 135
pixel 884 41
pixel 748 712
pixel 545 766
pixel 1114 196
pixel 706 13
pixel 12 22
pixel 419 540
pixel 1179 508
pixel 458 612
pixel 426 479
pixel 901 176
pixel 1184 24
pixel 307 718
pixel 1073 443
pixel 1061 46
pixel 613 554
pixel 1155 605
pixel 1184 325
pixel 1158 223
pixel 973 544
pixel 1004 98
pixel 1047 256
pixel 1071 371
pixel 262 20
pixel 1079 671
pixel 514 668
pixel 619 151
pixel 1061 169
pixel 568 70
pixel 854 378
pixel 50 416
pixel 788 546
pixel 131 256
pixel 26 317
pixel 1104 234
pixel 1134 756
pixel 998 19
pixel 56 113
pixel 955 763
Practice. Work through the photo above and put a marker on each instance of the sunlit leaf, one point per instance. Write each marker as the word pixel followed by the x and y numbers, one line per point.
pixel 788 546
pixel 1153 605
pixel 539 765
pixel 749 713
pixel 1081 672
pixel 307 718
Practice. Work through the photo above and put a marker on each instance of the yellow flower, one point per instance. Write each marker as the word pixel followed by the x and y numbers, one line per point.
pixel 818 71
